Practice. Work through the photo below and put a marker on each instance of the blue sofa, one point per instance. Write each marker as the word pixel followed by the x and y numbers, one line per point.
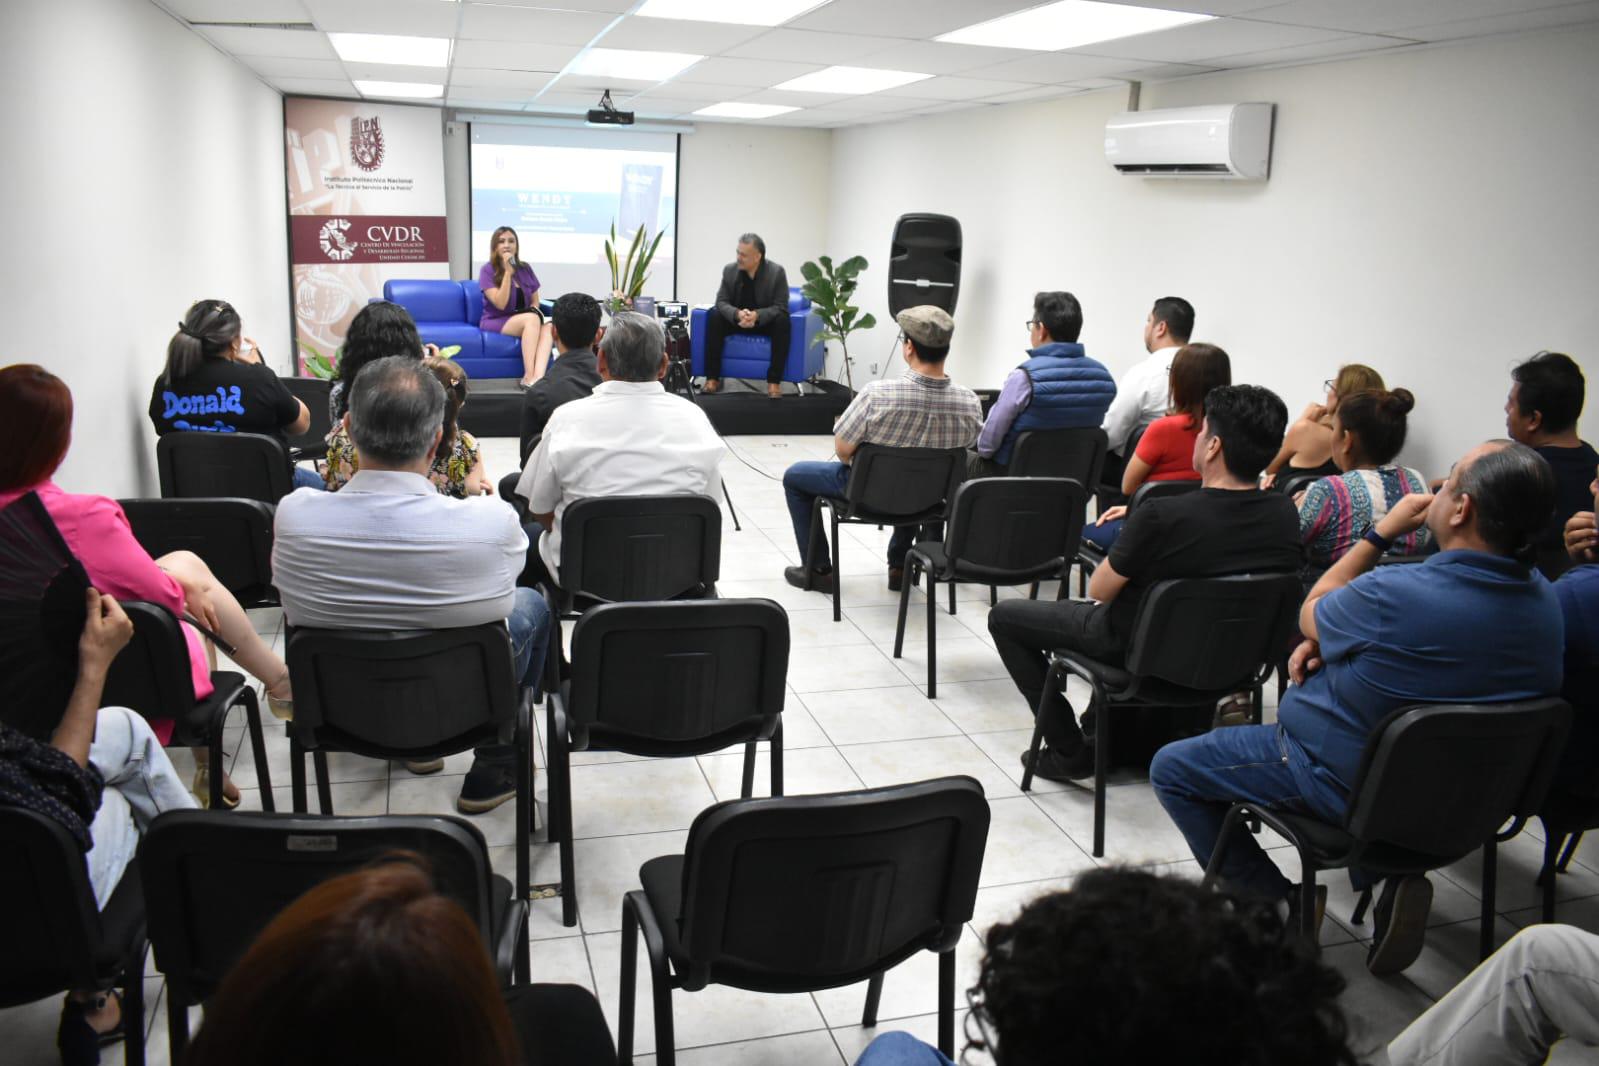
pixel 446 313
pixel 747 356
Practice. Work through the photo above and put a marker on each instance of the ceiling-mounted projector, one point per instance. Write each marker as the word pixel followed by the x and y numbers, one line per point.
pixel 607 114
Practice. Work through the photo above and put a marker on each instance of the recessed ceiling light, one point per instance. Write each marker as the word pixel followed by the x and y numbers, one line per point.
pixel 1069 24
pixel 737 110
pixel 744 12
pixel 411 90
pixel 387 48
pixel 630 65
pixel 850 80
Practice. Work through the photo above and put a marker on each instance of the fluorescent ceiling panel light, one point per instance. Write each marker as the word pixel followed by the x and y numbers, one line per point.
pixel 411 90
pixel 737 110
pixel 631 65
pixel 850 80
pixel 741 12
pixel 394 50
pixel 1069 24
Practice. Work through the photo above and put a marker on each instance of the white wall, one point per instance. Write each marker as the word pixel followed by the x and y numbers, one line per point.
pixel 145 171
pixel 1431 212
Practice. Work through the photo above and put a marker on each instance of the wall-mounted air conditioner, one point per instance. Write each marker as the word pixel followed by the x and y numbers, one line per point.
pixel 1219 141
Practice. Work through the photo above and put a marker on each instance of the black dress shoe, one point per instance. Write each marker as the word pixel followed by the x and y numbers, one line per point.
pixel 1400 918
pixel 896 578
pixel 490 782
pixel 1051 765
pixel 810 580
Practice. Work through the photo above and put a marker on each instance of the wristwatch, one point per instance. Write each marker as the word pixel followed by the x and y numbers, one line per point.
pixel 1377 540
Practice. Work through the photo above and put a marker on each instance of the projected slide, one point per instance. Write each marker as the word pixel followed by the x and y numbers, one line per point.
pixel 562 189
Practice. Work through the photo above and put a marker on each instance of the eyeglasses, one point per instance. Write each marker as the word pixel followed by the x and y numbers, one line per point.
pixel 1330 385
pixel 983 1039
pixel 1030 323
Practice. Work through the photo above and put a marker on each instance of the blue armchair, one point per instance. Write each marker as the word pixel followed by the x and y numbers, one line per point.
pixel 446 313
pixel 747 356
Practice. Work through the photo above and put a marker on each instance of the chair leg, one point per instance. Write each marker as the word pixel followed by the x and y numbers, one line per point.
pixel 524 827
pixel 730 509
pixel 559 757
pixel 874 995
pixel 624 1008
pixel 1307 904
pixel 1571 849
pixel 297 775
pixel 932 632
pixel 993 594
pixel 1229 825
pixel 324 790
pixel 1546 876
pixel 747 789
pixel 946 1003
pixel 1359 915
pixel 1101 769
pixel 218 772
pixel 952 596
pixel 838 572
pixel 252 722
pixel 1490 879
pixel 637 915
pixel 777 759
pixel 1050 678
pixel 177 1026
pixel 133 1006
pixel 904 604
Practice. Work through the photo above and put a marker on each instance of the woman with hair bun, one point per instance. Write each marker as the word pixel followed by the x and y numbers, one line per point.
pixel 1307 447
pixel 1368 430
pixel 215 382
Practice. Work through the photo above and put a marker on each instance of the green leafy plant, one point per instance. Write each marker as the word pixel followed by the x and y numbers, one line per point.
pixel 628 276
pixel 318 365
pixel 829 289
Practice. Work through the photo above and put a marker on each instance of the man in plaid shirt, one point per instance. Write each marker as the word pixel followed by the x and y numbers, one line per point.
pixel 923 408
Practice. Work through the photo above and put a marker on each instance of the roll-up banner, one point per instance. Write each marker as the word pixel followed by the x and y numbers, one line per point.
pixel 366 204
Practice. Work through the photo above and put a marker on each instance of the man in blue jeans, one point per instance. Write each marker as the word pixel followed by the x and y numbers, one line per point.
pixel 389 552
pixel 1473 624
pixel 922 408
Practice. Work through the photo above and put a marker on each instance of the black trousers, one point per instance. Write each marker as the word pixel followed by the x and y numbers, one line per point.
pixel 1026 631
pixel 559 1025
pixel 718 329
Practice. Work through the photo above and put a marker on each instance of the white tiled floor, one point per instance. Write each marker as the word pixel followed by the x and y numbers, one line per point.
pixel 855 717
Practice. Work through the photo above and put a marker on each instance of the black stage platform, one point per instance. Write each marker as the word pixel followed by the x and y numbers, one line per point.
pixel 494 408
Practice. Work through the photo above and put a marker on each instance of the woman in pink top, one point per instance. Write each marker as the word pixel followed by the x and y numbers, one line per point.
pixel 511 303
pixel 35 429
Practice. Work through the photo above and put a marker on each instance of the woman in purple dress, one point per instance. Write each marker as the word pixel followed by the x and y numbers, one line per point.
pixel 511 303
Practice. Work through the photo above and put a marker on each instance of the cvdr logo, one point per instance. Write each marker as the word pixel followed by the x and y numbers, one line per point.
pixel 336 245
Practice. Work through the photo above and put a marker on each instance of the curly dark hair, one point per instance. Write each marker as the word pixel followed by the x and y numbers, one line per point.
pixel 379 330
pixel 1130 967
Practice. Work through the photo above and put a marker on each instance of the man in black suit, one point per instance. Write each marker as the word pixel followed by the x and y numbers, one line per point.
pixel 753 299
pixel 573 373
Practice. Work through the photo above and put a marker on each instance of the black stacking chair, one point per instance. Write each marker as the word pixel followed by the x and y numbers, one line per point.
pixel 1075 453
pixel 55 938
pixel 1090 555
pixel 195 464
pixel 1297 483
pixel 1002 531
pixel 1435 784
pixel 233 536
pixel 889 487
pixel 683 678
pixel 152 676
pixel 313 392
pixel 409 694
pixel 808 892
pixel 560 1025
pixel 215 881
pixel 1195 640
pixel 1109 493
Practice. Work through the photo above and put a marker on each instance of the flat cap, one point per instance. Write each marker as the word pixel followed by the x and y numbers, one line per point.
pixel 927 325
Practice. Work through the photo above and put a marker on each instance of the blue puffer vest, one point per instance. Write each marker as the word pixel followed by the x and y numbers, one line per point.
pixel 1070 391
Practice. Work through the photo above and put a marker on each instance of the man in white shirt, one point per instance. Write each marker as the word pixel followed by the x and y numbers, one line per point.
pixel 1141 394
pixel 630 437
pixel 387 551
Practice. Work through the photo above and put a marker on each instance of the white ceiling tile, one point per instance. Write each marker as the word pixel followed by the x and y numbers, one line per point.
pixel 957 89
pixel 1037 92
pixel 1353 44
pixel 315 86
pixel 487 22
pixel 1207 7
pixel 1387 16
pixel 878 103
pixel 911 19
pixel 589 83
pixel 511 55
pixel 1056 68
pixel 756 73
pixel 791 99
pixel 1543 18
pixel 1200 41
pixel 412 18
pixel 936 57
pixel 251 41
pixel 615 7
pixel 568 101
pixel 677 35
pixel 1167 71
pixel 1098 83
pixel 500 79
pixel 482 93
pixel 238 10
pixel 273 67
pixel 392 72
pixel 809 46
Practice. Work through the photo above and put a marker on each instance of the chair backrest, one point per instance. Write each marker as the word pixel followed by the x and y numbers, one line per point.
pixel 626 548
pixel 797 300
pixel 429 300
pixel 195 464
pixel 661 674
pixel 903 482
pixel 1015 528
pixel 1298 483
pixel 828 889
pixel 313 392
pixel 1440 779
pixel 1213 633
pixel 1160 490
pixel 215 879
pixel 1075 453
pixel 398 693
pixel 48 920
pixel 152 675
pixel 233 536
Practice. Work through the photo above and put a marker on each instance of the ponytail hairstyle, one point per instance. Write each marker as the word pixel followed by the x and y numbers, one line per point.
pixel 494 260
pixel 1377 419
pixel 206 332
pixel 1352 378
pixel 453 378
pixel 1512 490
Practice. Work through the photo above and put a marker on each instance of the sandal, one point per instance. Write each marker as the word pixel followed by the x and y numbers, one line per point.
pixel 202 789
pixel 283 709
pixel 77 1040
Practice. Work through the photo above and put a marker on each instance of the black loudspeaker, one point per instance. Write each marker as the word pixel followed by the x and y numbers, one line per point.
pixel 924 262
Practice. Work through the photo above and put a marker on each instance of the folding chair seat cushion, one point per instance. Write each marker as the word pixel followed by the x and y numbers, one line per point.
pixel 1331 846
pixel 560 1025
pixel 225 685
pixel 1152 690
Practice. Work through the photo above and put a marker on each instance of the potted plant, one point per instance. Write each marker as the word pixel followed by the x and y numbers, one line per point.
pixel 829 289
pixel 628 276
pixel 320 366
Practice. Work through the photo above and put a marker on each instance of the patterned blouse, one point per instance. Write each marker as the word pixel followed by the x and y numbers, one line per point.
pixel 448 475
pixel 41 779
pixel 1336 512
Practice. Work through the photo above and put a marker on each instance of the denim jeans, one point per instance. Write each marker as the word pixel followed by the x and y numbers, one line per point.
pixel 803 483
pixel 901 1049
pixel 1197 779
pixel 529 624
pixel 1104 536
pixel 305 478
pixel 140 783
